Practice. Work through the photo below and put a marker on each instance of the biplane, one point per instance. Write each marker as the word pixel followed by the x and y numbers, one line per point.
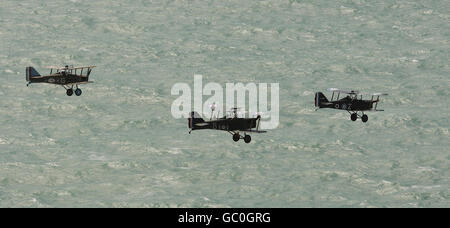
pixel 230 123
pixel 67 77
pixel 353 103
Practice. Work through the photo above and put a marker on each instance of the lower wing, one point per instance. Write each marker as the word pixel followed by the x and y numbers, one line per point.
pixel 254 131
pixel 79 83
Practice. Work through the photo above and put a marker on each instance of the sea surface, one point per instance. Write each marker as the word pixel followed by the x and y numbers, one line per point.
pixel 118 145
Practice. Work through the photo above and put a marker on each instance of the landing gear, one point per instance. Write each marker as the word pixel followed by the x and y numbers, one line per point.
pixel 78 92
pixel 69 92
pixel 364 118
pixel 354 116
pixel 247 138
pixel 236 137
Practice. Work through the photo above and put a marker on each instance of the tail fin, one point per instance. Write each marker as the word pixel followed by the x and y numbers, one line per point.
pixel 319 98
pixel 31 73
pixel 194 118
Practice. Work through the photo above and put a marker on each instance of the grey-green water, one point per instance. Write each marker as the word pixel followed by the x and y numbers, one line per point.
pixel 118 146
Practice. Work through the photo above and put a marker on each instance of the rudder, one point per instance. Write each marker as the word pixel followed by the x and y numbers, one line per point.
pixel 31 73
pixel 319 98
pixel 194 118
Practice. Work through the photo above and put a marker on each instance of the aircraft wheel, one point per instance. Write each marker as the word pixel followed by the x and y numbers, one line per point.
pixel 78 92
pixel 69 92
pixel 247 138
pixel 236 137
pixel 364 118
pixel 354 116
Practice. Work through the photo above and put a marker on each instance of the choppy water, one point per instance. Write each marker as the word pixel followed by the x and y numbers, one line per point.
pixel 118 146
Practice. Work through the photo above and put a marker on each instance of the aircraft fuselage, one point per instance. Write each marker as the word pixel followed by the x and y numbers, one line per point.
pixel 59 79
pixel 227 124
pixel 349 104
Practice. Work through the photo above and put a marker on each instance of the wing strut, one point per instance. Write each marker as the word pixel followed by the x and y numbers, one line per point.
pixel 376 105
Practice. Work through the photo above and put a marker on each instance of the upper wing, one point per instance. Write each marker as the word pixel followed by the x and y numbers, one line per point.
pixel 81 67
pixel 54 67
pixel 343 91
pixel 69 68
pixel 379 94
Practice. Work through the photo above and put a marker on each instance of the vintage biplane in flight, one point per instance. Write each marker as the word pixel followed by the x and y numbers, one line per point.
pixel 352 103
pixel 230 123
pixel 67 77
